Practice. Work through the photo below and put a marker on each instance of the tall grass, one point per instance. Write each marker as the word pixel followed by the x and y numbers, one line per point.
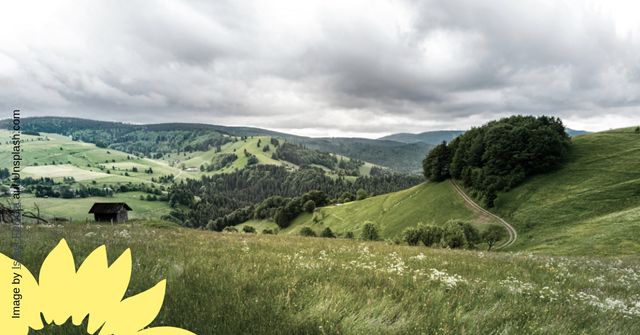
pixel 234 283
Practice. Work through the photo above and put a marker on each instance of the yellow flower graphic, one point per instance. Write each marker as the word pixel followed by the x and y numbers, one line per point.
pixel 95 290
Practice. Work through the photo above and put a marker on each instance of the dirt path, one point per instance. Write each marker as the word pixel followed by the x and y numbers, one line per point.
pixel 513 235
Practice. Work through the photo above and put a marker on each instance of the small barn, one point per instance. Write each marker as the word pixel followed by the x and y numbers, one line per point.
pixel 110 211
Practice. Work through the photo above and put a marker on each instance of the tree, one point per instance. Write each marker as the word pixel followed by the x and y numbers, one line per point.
pixel 327 233
pixel 309 206
pixel 411 236
pixel 492 235
pixel 637 130
pixel 436 165
pixel 430 235
pixel 252 160
pixel 249 229
pixel 308 232
pixel 369 232
pixel 281 218
pixel 453 236
pixel 361 194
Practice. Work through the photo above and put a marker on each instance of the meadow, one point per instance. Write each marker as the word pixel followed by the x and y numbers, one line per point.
pixel 76 210
pixel 591 205
pixel 234 283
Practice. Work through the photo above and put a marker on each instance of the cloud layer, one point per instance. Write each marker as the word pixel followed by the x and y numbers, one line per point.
pixel 361 67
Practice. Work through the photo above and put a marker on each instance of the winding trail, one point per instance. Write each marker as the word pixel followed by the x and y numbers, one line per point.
pixel 513 234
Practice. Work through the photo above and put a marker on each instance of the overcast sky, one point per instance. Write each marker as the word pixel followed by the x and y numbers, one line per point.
pixel 324 68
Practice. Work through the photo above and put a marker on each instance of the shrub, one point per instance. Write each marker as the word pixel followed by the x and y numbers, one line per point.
pixel 327 233
pixel 453 237
pixel 411 236
pixel 248 229
pixel 306 231
pixel 361 194
pixel 230 229
pixel 369 232
pixel 492 235
pixel 349 235
pixel 430 235
pixel 309 206
pixel 268 232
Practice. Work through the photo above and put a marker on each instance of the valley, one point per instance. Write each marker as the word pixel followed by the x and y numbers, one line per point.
pixel 569 244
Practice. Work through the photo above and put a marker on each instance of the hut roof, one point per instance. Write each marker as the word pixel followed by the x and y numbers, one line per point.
pixel 108 207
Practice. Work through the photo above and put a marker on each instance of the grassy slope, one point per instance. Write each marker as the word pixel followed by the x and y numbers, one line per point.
pixel 393 212
pixel 246 284
pixel 591 205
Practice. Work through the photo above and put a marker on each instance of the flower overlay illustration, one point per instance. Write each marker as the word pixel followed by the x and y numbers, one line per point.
pixel 95 291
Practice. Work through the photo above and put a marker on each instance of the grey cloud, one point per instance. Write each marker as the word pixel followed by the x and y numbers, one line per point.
pixel 320 67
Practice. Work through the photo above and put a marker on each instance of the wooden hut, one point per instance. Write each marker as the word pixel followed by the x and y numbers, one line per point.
pixel 110 211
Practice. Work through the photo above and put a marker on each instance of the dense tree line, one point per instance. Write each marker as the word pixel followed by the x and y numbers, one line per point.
pixel 145 140
pixel 268 191
pixel 300 155
pixel 500 155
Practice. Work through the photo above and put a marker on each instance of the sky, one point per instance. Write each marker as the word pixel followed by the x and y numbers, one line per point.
pixel 364 68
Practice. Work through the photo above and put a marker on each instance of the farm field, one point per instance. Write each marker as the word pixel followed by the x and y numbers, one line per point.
pixel 60 171
pixel 57 156
pixel 233 283
pixel 77 209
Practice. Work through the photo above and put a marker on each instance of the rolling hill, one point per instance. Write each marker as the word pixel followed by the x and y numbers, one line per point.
pixel 429 203
pixel 591 205
pixel 156 140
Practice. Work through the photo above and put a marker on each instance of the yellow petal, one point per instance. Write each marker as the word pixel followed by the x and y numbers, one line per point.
pixel 107 289
pixel 19 299
pixel 136 312
pixel 90 273
pixel 57 284
pixel 165 331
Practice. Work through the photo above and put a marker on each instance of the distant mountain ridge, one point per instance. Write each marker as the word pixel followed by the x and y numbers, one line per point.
pixel 429 137
pixel 396 155
pixel 438 136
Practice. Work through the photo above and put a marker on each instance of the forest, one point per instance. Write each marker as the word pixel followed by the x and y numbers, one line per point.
pixel 500 154
pixel 270 192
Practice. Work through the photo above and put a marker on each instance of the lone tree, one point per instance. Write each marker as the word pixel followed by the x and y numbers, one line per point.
pixel 327 233
pixel 637 130
pixel 492 235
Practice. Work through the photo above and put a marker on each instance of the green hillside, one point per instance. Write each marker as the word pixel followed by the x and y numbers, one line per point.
pixel 590 205
pixel 429 203
pixel 157 140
